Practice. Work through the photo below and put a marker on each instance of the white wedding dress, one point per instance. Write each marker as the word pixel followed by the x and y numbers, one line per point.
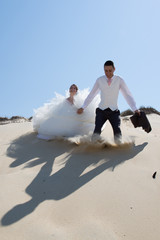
pixel 59 118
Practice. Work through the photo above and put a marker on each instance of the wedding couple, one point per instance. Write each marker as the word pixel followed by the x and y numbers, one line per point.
pixel 108 86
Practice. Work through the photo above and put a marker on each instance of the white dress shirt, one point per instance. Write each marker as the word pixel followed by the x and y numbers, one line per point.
pixel 109 93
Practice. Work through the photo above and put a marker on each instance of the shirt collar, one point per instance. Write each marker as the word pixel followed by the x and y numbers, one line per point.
pixel 110 78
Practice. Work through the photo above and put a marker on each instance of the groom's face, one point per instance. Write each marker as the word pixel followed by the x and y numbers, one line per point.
pixel 109 71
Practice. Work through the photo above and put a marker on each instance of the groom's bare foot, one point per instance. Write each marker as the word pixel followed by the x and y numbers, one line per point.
pixel 96 138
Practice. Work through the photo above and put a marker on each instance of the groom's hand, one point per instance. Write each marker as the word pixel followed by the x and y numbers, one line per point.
pixel 80 110
pixel 138 111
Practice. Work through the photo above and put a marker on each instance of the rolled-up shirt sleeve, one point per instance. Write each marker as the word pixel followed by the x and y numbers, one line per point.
pixel 127 95
pixel 91 95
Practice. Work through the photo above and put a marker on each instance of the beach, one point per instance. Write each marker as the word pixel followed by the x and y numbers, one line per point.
pixel 63 191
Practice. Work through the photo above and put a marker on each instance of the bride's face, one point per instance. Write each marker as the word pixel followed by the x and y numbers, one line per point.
pixel 73 90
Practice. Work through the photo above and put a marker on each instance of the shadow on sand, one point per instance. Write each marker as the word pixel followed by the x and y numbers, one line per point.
pixel 29 151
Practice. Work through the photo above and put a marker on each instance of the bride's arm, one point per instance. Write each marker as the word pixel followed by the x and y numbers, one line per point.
pixel 90 97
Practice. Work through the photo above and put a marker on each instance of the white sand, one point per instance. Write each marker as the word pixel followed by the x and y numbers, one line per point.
pixel 57 190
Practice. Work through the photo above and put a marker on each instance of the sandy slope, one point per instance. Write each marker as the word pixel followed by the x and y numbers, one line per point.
pixel 57 190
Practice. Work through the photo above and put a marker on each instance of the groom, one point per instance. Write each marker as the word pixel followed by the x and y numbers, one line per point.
pixel 109 86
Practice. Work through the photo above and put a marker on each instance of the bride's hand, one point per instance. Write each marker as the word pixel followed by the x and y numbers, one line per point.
pixel 80 110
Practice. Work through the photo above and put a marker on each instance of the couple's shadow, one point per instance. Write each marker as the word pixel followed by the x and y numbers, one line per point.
pixel 70 177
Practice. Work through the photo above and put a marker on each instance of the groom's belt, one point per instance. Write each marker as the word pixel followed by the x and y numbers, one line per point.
pixel 108 110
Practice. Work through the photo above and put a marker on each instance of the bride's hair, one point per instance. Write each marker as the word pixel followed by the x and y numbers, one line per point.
pixel 74 85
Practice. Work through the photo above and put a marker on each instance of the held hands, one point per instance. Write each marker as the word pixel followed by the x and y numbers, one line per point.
pixel 80 110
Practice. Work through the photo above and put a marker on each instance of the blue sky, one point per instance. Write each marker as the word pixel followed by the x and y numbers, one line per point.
pixel 45 46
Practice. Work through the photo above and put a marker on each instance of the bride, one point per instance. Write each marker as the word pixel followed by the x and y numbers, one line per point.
pixel 59 118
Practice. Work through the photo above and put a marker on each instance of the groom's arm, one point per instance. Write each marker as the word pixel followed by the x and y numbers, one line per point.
pixel 128 96
pixel 90 97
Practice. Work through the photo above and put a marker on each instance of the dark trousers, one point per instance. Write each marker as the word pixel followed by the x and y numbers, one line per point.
pixel 114 118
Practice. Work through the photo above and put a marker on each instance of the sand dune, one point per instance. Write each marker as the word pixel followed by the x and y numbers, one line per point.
pixel 58 190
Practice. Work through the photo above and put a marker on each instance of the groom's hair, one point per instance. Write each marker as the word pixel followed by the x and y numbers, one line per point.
pixel 109 63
